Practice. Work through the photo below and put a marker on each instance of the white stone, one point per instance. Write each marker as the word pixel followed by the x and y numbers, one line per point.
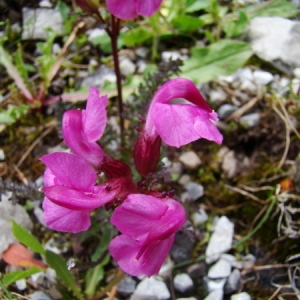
pixel 37 21
pixel 221 269
pixel 215 295
pixel 250 120
pixel 214 284
pixel 142 52
pixel 45 3
pixel 226 110
pixel 262 77
pixel 248 86
pixel 264 33
pixel 10 211
pixel 21 284
pixel 183 282
pixel 94 33
pixel 141 65
pixel 295 85
pixel 2 154
pixel 233 281
pixel 229 163
pixel 243 74
pixel 296 73
pixel 39 296
pixel 190 159
pixel 241 296
pixel 217 96
pixel 200 216
pixel 220 240
pixel 189 298
pixel 151 287
pixel 127 67
pixel 184 179
pixel 172 55
pixel 195 190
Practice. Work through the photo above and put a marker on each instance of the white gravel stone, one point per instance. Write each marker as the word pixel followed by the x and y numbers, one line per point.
pixel 195 190
pixel 127 67
pixel 296 73
pixel 21 284
pixel 200 216
pixel 250 120
pixel 173 55
pixel 37 21
pixel 263 33
pixel 233 281
pixel 262 77
pixel 151 287
pixel 214 284
pixel 295 84
pixel 142 52
pixel 184 179
pixel 45 3
pixel 39 296
pixel 183 282
pixel 190 160
pixel 220 240
pixel 215 295
pixel 221 269
pixel 2 154
pixel 241 296
pixel 226 110
pixel 217 96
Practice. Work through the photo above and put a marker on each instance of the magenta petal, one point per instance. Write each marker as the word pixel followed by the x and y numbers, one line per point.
pixel 75 138
pixel 180 124
pixel 72 199
pixel 71 170
pixel 147 8
pixel 63 219
pixel 125 250
pixel 137 214
pixel 94 117
pixel 123 9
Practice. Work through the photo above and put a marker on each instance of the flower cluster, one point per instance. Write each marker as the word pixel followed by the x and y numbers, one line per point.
pixel 146 219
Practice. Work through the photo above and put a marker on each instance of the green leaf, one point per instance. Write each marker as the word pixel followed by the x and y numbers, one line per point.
pixel 15 276
pixel 103 244
pixel 57 263
pixel 280 8
pixel 137 36
pixel 187 23
pixel 195 5
pixel 235 28
pixel 221 58
pixel 26 238
pixel 94 276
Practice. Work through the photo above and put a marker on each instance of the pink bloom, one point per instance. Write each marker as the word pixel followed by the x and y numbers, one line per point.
pixel 148 226
pixel 130 9
pixel 175 124
pixel 82 129
pixel 71 194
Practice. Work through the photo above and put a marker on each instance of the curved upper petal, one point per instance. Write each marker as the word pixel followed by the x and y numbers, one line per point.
pixel 138 214
pixel 147 8
pixel 180 124
pixel 123 9
pixel 76 140
pixel 64 219
pixel 77 200
pixel 94 116
pixel 71 171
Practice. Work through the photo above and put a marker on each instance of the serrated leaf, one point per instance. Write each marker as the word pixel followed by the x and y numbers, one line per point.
pixel 221 58
pixel 26 238
pixel 57 263
pixel 15 276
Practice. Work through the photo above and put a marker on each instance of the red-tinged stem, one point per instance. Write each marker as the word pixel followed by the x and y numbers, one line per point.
pixel 114 34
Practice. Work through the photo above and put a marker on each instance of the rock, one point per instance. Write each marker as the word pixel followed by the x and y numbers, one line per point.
pixel 226 110
pixel 214 284
pixel 141 65
pixel 95 33
pixel 2 154
pixel 241 296
pixel 151 288
pixel 9 211
pixel 127 67
pixel 296 73
pixel 195 190
pixel 190 298
pixel 172 55
pixel 221 269
pixel 45 3
pixel 39 296
pixel 37 21
pixel 197 270
pixel 126 286
pixel 200 216
pixel 99 77
pixel 217 96
pixel 21 284
pixel 250 120
pixel 295 85
pixel 142 52
pixel 220 240
pixel 190 160
pixel 233 281
pixel 262 78
pixel 229 163
pixel 166 269
pixel 183 282
pixel 184 179
pixel 263 33
pixel 215 295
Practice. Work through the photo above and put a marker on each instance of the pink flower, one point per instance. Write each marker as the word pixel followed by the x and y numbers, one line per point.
pixel 148 226
pixel 82 129
pixel 71 194
pixel 175 124
pixel 130 9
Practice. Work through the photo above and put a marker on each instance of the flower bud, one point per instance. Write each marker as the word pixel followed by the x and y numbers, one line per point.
pixel 113 168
